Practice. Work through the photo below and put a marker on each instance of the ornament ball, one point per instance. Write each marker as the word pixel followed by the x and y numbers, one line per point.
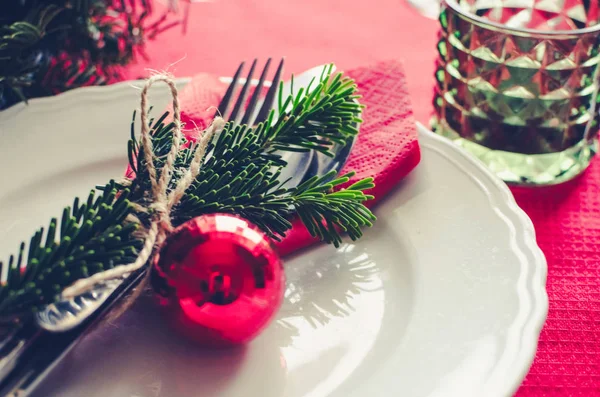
pixel 219 279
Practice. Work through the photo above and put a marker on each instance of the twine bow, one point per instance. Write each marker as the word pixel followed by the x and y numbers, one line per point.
pixel 163 201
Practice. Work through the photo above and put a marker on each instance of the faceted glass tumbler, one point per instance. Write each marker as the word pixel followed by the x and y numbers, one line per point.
pixel 517 85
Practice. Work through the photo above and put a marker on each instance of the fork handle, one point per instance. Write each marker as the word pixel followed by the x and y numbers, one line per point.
pixel 44 350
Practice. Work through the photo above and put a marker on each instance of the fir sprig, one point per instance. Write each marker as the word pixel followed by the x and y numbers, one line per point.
pixel 50 46
pixel 92 236
pixel 324 211
pixel 326 116
pixel 240 175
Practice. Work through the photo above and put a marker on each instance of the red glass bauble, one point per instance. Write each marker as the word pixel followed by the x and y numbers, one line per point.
pixel 219 278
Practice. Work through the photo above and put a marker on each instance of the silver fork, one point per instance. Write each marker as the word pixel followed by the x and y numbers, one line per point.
pixel 248 116
pixel 298 162
pixel 301 166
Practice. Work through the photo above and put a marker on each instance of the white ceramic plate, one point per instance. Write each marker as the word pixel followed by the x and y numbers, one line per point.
pixel 445 296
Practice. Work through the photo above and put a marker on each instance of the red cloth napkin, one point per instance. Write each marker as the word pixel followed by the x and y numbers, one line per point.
pixel 386 148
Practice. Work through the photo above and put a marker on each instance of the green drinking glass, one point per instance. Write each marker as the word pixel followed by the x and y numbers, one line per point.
pixel 517 85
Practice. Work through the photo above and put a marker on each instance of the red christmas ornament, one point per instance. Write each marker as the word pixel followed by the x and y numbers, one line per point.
pixel 219 278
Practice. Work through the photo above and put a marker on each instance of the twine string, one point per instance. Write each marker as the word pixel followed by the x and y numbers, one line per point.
pixel 162 200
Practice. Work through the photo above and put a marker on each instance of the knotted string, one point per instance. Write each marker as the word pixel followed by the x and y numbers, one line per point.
pixel 163 201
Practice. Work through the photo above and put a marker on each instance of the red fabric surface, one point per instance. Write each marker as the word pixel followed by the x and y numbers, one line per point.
pixel 386 148
pixel 353 33
pixel 567 223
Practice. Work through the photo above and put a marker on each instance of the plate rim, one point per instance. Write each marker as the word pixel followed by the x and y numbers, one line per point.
pixel 45 103
pixel 535 269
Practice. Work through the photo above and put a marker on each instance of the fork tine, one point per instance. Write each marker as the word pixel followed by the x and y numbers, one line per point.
pixel 224 105
pixel 248 119
pixel 243 94
pixel 270 98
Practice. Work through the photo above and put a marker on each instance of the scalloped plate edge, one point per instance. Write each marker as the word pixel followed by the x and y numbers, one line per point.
pixel 531 289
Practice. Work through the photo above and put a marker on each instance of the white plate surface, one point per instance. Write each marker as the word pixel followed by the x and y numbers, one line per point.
pixel 445 296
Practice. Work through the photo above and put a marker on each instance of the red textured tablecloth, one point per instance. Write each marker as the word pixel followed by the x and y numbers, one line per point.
pixel 354 33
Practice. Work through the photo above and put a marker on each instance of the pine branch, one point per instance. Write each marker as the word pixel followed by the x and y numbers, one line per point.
pixel 241 169
pixel 238 178
pixel 51 46
pixel 92 236
pixel 324 211
pixel 240 175
pixel 316 121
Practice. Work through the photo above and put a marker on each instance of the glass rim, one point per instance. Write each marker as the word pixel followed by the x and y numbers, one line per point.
pixel 519 31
